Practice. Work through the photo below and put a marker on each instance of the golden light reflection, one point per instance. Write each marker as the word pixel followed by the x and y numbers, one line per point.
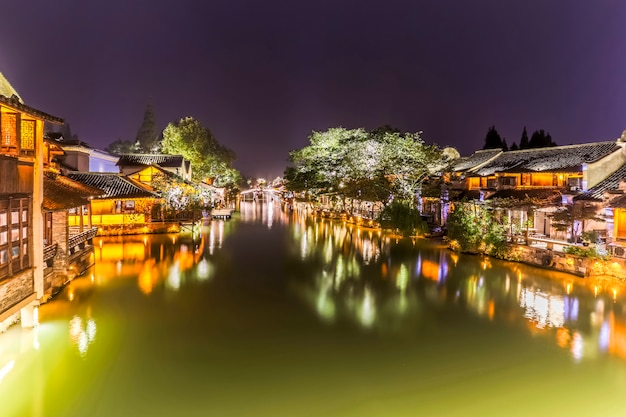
pixel 82 334
pixel 147 277
pixel 430 270
pixel 563 337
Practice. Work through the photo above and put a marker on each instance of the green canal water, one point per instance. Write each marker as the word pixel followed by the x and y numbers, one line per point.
pixel 275 314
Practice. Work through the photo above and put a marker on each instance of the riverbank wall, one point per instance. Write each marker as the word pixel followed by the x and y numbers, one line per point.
pixel 565 262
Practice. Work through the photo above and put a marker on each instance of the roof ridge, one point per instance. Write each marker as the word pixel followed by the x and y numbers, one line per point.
pixel 573 145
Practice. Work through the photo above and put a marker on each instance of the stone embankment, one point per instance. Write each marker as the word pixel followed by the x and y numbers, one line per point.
pixel 565 262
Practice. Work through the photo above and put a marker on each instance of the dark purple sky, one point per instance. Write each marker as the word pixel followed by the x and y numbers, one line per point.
pixel 263 74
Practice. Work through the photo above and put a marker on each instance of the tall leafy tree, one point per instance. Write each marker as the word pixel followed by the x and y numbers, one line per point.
pixel 408 162
pixel 359 165
pixel 211 161
pixel 147 136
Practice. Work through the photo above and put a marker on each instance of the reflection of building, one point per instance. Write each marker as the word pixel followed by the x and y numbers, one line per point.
pixel 21 200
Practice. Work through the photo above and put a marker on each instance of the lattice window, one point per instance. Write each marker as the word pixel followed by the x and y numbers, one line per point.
pixel 28 135
pixel 14 235
pixel 8 141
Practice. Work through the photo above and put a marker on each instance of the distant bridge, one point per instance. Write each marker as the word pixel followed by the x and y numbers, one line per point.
pixel 259 193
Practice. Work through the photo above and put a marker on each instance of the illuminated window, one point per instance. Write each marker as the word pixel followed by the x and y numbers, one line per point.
pixel 474 182
pixel 8 141
pixel 28 135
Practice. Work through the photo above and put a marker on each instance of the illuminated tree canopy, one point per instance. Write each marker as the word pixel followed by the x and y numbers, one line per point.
pixel 211 161
pixel 374 166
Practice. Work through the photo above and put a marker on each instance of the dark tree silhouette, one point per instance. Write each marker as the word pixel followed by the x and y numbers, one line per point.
pixel 120 147
pixel 523 142
pixel 493 140
pixel 147 137
pixel 67 134
pixel 540 139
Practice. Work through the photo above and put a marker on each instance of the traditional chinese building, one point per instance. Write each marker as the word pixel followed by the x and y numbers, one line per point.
pixel 132 163
pixel 21 201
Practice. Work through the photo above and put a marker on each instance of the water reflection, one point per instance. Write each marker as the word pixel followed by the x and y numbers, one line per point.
pixel 383 284
pixel 264 212
pixel 283 310
pixel 155 260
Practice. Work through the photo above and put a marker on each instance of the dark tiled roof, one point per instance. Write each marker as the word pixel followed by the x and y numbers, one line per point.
pixel 59 139
pixel 151 159
pixel 114 185
pixel 474 160
pixel 618 202
pixel 609 183
pixel 557 158
pixel 62 193
pixel 542 195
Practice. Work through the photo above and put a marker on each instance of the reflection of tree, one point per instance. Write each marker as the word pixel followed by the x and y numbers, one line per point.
pixel 394 284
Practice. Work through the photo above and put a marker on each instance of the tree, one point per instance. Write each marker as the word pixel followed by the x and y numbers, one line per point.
pixel 514 147
pixel 465 229
pixel 474 228
pixel 408 162
pixel 540 139
pixel 120 147
pixel 181 198
pixel 357 165
pixel 147 137
pixel 67 134
pixel 523 142
pixel 211 161
pixel 572 218
pixel 493 140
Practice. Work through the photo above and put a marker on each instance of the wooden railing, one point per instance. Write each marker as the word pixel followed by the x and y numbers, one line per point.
pixel 49 252
pixel 80 239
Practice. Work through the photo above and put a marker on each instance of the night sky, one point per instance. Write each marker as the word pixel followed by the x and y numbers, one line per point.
pixel 262 75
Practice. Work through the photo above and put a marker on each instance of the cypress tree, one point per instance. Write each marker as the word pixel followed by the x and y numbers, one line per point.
pixel 523 142
pixel 147 137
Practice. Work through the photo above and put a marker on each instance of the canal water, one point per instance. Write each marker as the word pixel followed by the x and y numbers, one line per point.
pixel 275 314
